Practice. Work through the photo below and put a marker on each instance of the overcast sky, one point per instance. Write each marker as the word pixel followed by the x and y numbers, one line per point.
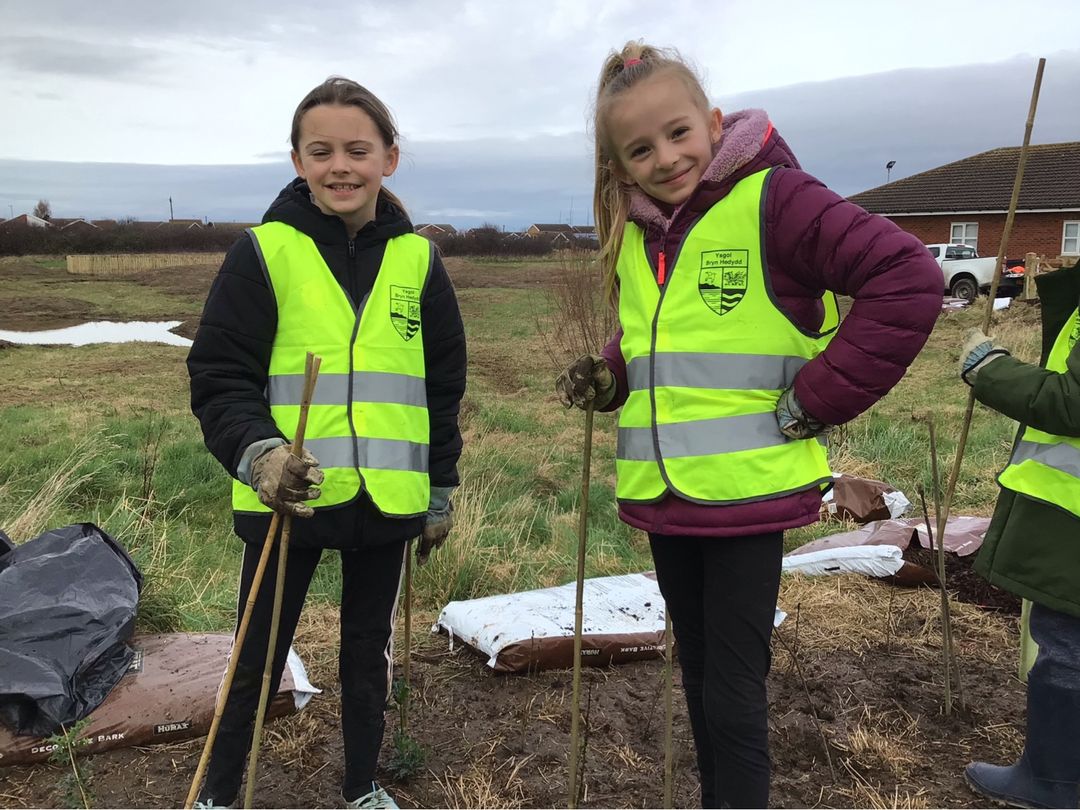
pixel 111 107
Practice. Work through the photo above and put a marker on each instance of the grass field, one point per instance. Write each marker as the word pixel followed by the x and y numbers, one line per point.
pixel 104 434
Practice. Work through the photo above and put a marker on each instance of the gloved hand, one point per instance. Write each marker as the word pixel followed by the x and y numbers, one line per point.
pixel 794 422
pixel 587 378
pixel 978 351
pixel 283 481
pixel 438 522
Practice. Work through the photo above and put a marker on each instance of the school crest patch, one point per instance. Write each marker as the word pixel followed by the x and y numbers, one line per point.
pixel 722 279
pixel 1074 336
pixel 405 310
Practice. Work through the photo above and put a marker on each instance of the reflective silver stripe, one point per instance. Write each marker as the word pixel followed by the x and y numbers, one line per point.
pixel 333 389
pixel 1061 457
pixel 377 454
pixel 704 437
pixel 721 371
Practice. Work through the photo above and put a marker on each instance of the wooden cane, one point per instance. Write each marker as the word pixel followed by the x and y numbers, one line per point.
pixel 311 374
pixel 406 668
pixel 583 523
pixel 230 670
pixel 238 643
pixel 669 713
pixel 958 460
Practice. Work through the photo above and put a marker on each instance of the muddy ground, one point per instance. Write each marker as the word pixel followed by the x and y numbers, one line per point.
pixel 189 285
pixel 869 653
pixel 866 728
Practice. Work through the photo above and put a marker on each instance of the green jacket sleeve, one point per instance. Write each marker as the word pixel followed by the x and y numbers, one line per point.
pixel 1045 400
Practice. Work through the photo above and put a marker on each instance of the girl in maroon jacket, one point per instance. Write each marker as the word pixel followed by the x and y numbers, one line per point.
pixel 665 159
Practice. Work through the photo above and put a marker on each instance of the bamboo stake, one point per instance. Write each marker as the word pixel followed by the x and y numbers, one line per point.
pixel 406 669
pixel 268 666
pixel 311 373
pixel 958 459
pixel 669 714
pixel 583 524
pixel 238 643
pixel 234 655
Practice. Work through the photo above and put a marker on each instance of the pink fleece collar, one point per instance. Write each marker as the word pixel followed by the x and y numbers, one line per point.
pixel 744 133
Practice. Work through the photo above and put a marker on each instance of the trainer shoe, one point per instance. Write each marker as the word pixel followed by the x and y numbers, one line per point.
pixel 378 799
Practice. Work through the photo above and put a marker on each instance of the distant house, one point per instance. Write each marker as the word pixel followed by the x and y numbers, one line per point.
pixel 25 221
pixel 966 202
pixel 584 230
pixel 182 224
pixel 75 225
pixel 550 231
pixel 432 231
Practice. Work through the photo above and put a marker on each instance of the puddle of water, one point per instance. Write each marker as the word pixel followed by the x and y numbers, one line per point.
pixel 101 332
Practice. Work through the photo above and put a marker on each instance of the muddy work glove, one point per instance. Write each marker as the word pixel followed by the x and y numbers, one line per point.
pixel 438 522
pixel 794 422
pixel 587 378
pixel 978 351
pixel 283 481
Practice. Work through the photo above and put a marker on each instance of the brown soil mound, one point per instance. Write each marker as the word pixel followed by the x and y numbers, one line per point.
pixel 963 583
pixel 869 654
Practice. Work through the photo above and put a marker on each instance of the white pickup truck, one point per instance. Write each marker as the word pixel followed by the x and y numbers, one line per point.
pixel 966 275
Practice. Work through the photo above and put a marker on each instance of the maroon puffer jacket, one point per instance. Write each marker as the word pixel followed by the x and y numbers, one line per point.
pixel 815 240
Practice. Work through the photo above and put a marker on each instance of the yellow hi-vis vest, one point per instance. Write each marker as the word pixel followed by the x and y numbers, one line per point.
pixel 707 356
pixel 368 422
pixel 1043 466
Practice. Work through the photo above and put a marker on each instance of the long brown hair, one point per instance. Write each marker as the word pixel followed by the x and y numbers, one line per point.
pixel 345 92
pixel 611 198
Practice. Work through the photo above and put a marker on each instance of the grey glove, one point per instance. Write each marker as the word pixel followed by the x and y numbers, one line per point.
pixel 587 378
pixel 978 351
pixel 283 481
pixel 438 522
pixel 794 422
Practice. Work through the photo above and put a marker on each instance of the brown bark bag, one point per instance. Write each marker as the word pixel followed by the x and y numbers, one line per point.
pixel 167 695
pixel 863 500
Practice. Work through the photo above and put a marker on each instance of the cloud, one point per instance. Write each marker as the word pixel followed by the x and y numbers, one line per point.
pixel 842 131
pixel 63 56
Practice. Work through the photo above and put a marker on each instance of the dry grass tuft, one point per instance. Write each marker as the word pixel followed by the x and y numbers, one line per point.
pixel 485 784
pixel 883 740
pixel 295 739
pixel 854 612
pixel 29 517
pixel 864 794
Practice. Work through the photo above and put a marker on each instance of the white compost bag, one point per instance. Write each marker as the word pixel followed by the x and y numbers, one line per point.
pixel 872 561
pixel 623 620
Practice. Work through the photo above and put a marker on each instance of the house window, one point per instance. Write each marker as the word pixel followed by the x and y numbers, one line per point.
pixel 965 233
pixel 1070 241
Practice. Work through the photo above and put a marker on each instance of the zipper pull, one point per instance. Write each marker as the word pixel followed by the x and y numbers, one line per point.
pixel 661 270
pixel 352 249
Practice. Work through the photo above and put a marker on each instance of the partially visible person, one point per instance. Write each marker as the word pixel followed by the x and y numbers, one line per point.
pixel 722 256
pixel 1032 547
pixel 335 269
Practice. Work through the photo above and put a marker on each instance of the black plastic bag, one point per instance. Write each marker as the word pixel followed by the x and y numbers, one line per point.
pixel 67 606
pixel 6 545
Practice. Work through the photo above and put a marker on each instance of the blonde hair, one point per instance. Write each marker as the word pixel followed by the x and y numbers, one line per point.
pixel 611 199
pixel 345 92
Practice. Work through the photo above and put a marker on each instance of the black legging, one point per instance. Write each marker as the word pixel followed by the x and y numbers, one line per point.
pixel 371 578
pixel 721 592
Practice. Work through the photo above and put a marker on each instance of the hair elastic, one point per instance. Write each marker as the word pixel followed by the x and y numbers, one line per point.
pixel 636 60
